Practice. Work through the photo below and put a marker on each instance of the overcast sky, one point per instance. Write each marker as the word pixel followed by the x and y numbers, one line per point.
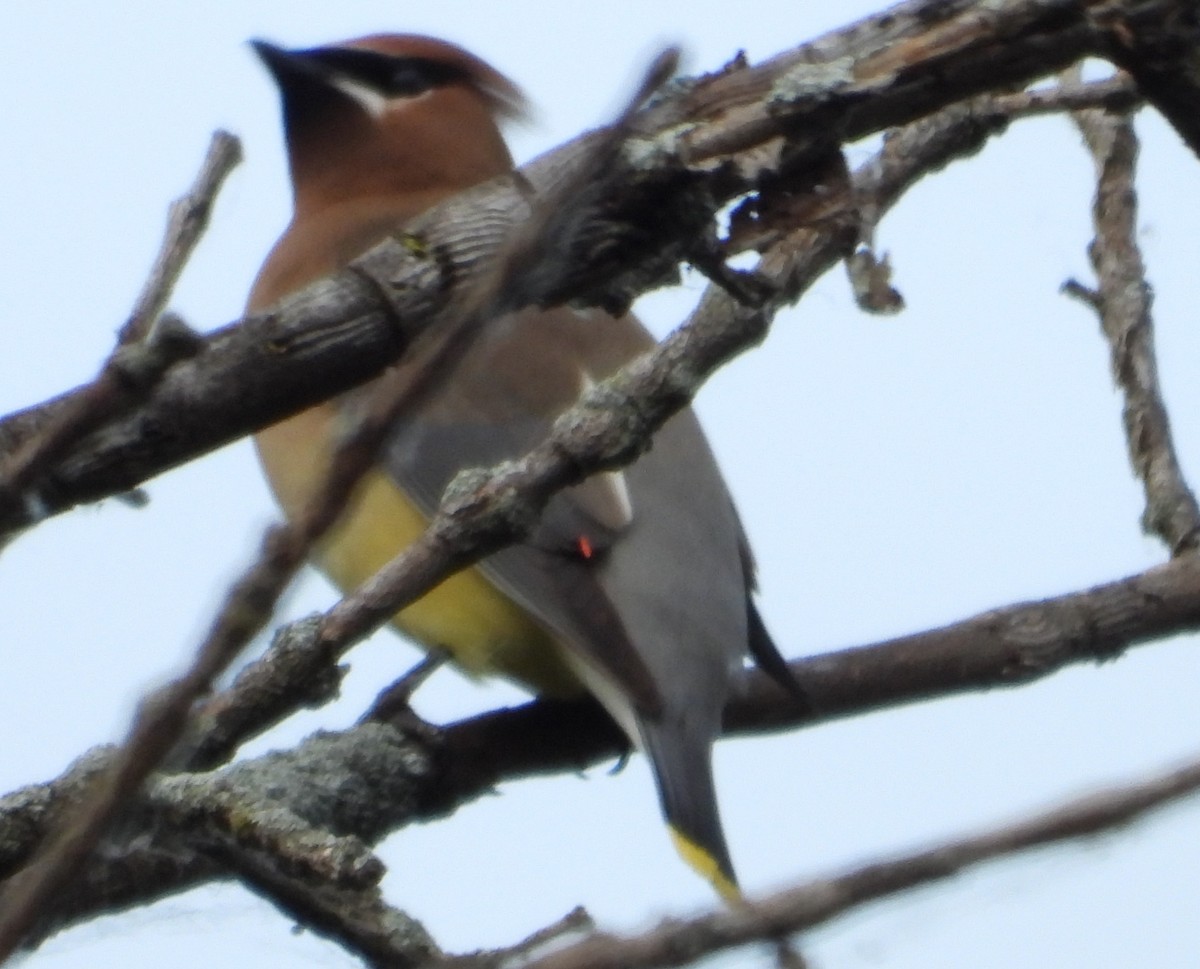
pixel 894 474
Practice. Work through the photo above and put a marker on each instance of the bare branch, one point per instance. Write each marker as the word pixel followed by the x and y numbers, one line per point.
pixel 186 224
pixel 1123 303
pixel 28 815
pixel 295 672
pixel 1117 93
pixel 283 679
pixel 358 919
pixel 1159 44
pixel 124 878
pixel 372 779
pixel 162 718
pixel 608 428
pixel 576 920
pixel 679 942
pixel 1006 647
pixel 721 137
pixel 716 139
pixel 148 344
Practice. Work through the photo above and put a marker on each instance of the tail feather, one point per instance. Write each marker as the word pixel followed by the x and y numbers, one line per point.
pixel 766 654
pixel 681 760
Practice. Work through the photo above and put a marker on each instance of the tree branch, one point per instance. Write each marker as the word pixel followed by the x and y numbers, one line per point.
pixel 721 137
pixel 1159 44
pixel 1123 303
pixel 678 942
pixel 742 131
pixel 374 778
pixel 162 717
pixel 148 345
pixel 301 669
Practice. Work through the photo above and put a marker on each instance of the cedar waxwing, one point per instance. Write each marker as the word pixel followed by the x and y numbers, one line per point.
pixel 636 584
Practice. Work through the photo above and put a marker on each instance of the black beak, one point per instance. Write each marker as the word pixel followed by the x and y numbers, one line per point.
pixel 289 67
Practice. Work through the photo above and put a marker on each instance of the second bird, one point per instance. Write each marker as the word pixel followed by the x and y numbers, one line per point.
pixel 636 584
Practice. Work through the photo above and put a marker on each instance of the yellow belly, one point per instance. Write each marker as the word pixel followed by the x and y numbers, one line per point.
pixel 468 617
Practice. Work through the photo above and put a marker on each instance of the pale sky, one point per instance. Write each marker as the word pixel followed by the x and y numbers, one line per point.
pixel 893 473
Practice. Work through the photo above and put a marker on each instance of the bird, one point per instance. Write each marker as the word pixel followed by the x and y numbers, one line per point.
pixel 636 586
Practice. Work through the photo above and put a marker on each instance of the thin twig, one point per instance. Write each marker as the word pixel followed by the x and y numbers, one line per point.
pixel 609 427
pixel 884 70
pixel 1116 93
pixel 358 920
pixel 282 680
pixel 186 224
pixel 1008 647
pixel 683 941
pixel 249 595
pixel 373 779
pixel 432 359
pixel 162 718
pixel 576 921
pixel 514 492
pixel 1123 301
pixel 149 342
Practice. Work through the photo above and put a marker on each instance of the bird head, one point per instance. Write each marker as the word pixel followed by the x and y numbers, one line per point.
pixel 388 115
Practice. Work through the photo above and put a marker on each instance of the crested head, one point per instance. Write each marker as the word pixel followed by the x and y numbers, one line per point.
pixel 390 113
pixel 420 59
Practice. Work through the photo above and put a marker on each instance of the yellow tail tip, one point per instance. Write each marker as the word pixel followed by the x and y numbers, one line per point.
pixel 701 861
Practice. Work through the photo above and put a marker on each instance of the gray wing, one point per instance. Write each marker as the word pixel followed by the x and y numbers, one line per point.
pixel 661 604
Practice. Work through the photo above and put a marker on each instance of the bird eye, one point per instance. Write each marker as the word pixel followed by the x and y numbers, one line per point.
pixel 408 80
pixel 385 74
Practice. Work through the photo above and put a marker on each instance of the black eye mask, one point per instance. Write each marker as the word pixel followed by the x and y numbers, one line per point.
pixel 389 76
